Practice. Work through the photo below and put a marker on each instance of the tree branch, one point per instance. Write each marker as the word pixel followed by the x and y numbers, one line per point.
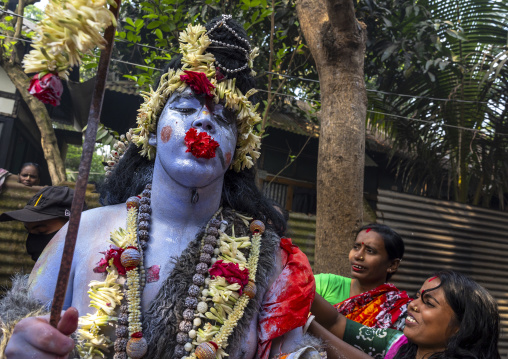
pixel 16 53
pixel 341 14
pixel 37 108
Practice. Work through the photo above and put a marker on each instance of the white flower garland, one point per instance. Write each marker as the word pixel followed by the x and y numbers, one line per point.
pixel 69 29
pixel 106 296
pixel 228 307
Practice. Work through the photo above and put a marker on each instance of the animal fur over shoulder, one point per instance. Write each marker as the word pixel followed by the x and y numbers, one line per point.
pixel 16 305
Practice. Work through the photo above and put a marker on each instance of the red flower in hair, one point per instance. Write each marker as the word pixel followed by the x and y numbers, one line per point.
pixel 47 89
pixel 198 82
pixel 232 273
pixel 201 145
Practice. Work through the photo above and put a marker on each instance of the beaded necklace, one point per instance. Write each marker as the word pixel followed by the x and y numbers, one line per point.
pixel 213 305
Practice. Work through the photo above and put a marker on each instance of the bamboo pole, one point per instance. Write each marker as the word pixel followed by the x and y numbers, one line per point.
pixel 83 172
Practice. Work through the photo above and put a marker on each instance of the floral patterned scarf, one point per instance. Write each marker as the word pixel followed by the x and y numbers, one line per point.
pixel 382 307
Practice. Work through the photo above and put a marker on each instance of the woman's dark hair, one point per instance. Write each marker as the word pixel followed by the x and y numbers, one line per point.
pixel 476 314
pixel 394 244
pixel 133 172
pixel 33 164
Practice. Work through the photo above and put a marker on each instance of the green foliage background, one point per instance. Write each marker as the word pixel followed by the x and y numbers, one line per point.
pixel 73 158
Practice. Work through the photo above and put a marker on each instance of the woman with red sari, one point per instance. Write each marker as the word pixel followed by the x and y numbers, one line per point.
pixel 366 298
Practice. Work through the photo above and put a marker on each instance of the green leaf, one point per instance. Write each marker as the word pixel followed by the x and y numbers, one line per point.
pixel 456 34
pixel 388 52
pixel 139 23
pixel 153 25
pixel 129 21
pixel 91 65
pixel 101 134
pixel 428 64
pixel 158 33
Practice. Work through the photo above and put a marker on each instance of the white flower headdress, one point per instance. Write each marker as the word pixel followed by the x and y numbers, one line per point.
pixel 194 41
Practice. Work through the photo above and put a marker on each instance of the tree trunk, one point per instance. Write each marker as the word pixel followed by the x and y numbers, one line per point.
pixel 337 42
pixel 48 139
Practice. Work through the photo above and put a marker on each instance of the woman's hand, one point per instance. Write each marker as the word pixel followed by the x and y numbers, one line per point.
pixel 328 316
pixel 36 338
pixel 335 347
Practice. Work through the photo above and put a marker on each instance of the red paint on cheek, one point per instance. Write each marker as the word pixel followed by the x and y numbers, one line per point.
pixel 228 157
pixel 166 133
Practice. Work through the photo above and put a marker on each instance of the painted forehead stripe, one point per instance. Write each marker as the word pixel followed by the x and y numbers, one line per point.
pixel 368 230
pixel 431 279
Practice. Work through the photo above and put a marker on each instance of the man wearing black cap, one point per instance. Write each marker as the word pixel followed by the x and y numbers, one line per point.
pixel 43 216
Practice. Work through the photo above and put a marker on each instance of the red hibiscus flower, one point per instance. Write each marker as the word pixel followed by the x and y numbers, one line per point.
pixel 115 253
pixel 201 145
pixel 232 273
pixel 101 266
pixel 198 82
pixel 47 89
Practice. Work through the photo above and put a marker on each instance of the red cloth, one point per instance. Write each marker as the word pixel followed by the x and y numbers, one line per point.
pixel 380 307
pixel 287 302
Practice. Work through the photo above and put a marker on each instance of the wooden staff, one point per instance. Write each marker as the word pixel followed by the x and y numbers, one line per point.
pixel 83 172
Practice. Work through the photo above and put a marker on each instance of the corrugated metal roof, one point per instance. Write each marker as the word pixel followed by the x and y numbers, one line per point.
pixel 447 235
pixel 294 124
pixel 437 235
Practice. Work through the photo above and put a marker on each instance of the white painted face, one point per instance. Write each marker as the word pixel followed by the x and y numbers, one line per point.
pixel 182 112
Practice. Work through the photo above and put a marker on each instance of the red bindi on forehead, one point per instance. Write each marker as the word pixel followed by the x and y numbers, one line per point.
pixel 166 133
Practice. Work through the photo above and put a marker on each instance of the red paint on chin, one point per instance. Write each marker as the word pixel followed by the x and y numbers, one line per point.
pixel 228 158
pixel 166 133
